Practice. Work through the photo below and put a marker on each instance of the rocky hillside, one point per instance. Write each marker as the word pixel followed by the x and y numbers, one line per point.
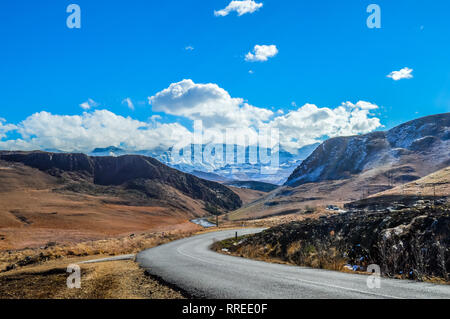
pixel 135 173
pixel 416 148
pixel 410 243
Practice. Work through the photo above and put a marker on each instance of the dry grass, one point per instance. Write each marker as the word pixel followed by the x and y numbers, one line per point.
pixel 329 260
pixel 435 184
pixel 303 214
pixel 247 195
pixel 108 247
pixel 109 280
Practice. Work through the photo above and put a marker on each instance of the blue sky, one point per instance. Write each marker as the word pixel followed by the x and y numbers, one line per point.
pixel 134 49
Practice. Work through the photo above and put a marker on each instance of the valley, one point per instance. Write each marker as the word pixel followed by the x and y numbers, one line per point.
pixel 374 191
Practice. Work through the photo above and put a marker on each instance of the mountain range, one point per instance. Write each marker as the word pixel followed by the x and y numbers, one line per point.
pixel 219 170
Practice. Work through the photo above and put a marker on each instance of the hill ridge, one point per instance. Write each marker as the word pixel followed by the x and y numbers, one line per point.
pixel 115 171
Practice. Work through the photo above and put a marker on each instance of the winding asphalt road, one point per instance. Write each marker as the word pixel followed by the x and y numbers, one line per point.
pixel 190 265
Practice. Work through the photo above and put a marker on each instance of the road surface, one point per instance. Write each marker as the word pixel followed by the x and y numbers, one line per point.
pixel 190 265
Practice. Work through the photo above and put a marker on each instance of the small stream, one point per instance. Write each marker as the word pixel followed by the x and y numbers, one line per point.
pixel 203 222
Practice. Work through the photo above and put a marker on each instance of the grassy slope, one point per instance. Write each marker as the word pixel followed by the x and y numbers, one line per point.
pixel 437 183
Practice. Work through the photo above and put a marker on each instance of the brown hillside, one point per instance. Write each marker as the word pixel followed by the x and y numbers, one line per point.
pixel 68 198
pixel 37 209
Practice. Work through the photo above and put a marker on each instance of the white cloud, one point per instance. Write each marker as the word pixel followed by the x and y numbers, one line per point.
pixel 306 125
pixel 241 7
pixel 85 106
pixel 5 128
pixel 129 103
pixel 251 72
pixel 209 103
pixel 310 124
pixel 100 128
pixel 362 105
pixel 405 73
pixel 189 48
pixel 155 118
pixel 90 103
pixel 262 53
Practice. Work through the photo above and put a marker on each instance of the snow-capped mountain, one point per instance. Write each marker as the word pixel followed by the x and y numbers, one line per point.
pixel 244 164
pixel 244 169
